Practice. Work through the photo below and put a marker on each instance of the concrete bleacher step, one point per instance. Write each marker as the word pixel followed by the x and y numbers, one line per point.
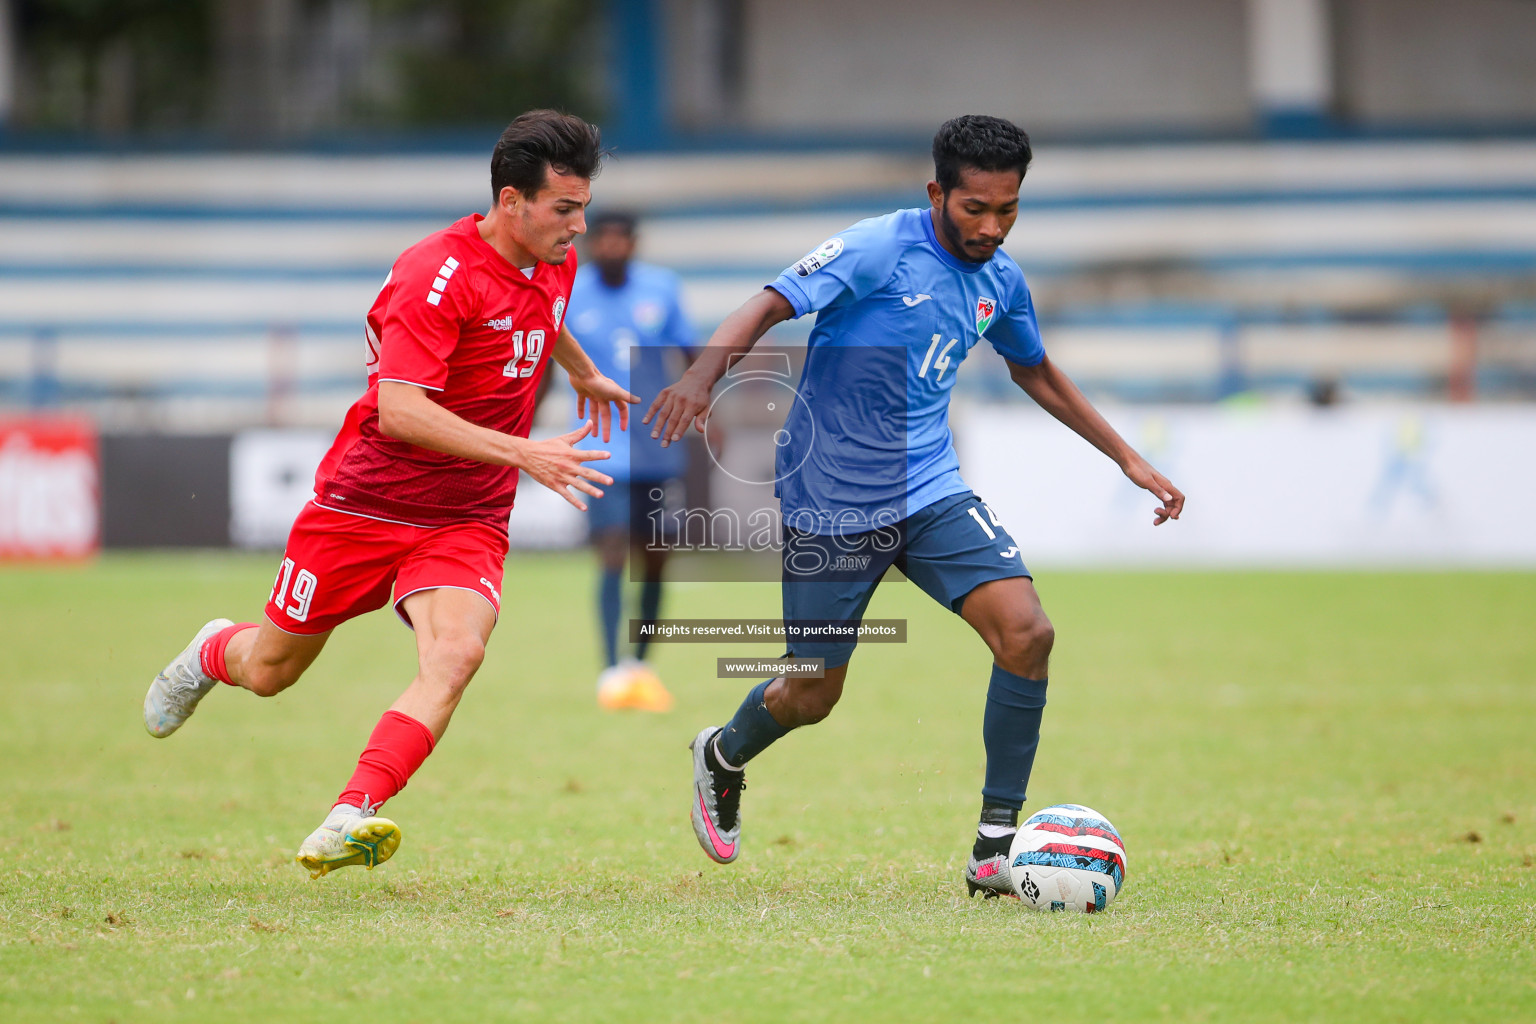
pixel 124 272
pixel 313 269
pixel 444 184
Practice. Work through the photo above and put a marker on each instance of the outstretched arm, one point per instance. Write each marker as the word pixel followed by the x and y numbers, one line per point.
pixel 1054 392
pixel 408 413
pixel 592 386
pixel 688 399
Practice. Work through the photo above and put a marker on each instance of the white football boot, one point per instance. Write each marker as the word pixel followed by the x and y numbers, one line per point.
pixel 986 870
pixel 174 694
pixel 349 835
pixel 716 800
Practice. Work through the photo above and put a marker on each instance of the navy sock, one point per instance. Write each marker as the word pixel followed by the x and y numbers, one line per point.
pixel 609 598
pixel 1011 732
pixel 751 730
pixel 650 608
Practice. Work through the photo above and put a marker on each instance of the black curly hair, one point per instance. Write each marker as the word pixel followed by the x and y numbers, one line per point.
pixel 980 142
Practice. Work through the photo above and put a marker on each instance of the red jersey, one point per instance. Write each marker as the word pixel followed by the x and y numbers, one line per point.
pixel 458 319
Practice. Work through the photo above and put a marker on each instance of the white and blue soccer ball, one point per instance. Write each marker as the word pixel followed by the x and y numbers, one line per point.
pixel 1067 857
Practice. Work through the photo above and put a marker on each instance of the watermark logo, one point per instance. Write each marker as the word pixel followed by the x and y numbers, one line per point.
pixel 807 459
pixel 783 668
pixel 767 631
pixel 760 391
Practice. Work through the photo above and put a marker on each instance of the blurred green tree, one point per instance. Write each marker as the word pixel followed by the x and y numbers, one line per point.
pixel 274 70
pixel 483 61
pixel 113 67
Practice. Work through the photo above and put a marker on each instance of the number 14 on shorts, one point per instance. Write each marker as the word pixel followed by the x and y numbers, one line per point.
pixel 976 515
pixel 1013 550
pixel 304 586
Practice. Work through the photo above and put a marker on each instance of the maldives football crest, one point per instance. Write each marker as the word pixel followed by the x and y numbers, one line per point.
pixel 558 311
pixel 984 310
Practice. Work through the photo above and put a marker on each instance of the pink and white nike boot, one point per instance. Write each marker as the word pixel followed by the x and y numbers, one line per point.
pixel 716 800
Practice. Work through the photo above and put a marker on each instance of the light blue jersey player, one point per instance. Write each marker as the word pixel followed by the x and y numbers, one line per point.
pixel 869 466
pixel 630 317
pixel 896 315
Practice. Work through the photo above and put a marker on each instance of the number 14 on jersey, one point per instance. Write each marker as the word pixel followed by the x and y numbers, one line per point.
pixel 940 364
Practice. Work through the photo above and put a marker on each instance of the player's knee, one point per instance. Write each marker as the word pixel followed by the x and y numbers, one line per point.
pixel 269 679
pixel 817 700
pixel 454 659
pixel 1024 641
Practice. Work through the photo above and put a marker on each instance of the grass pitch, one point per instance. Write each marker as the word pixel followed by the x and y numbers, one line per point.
pixel 1326 782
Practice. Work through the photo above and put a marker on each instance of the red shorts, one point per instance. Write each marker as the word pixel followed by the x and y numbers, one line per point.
pixel 338 566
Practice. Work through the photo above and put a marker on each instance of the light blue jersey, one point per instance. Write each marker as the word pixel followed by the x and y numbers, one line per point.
pixel 896 314
pixel 637 335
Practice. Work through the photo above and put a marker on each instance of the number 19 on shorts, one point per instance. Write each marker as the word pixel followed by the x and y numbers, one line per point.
pixel 303 593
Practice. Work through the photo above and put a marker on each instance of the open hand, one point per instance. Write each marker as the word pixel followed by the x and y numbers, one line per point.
pixel 676 406
pixel 602 392
pixel 560 467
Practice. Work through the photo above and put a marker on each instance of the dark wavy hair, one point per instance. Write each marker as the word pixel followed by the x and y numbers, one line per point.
pixel 539 140
pixel 980 142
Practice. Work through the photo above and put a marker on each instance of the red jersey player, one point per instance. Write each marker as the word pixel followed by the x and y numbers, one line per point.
pixel 414 494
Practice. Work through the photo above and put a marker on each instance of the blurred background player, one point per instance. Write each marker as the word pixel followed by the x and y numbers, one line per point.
pixel 415 492
pixel 900 301
pixel 630 318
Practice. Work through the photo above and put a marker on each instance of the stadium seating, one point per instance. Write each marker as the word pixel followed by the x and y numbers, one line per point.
pixel 213 290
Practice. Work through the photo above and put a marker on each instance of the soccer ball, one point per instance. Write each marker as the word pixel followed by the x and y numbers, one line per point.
pixel 1067 857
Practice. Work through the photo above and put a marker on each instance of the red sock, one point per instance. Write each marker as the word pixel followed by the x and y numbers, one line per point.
pixel 395 750
pixel 212 651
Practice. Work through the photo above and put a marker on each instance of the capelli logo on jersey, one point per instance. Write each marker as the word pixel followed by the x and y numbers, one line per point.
pixel 503 323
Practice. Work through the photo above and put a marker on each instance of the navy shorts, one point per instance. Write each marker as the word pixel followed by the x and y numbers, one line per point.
pixel 948 548
pixel 640 507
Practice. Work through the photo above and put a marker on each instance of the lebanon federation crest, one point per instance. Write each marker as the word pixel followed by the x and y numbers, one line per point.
pixel 984 310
